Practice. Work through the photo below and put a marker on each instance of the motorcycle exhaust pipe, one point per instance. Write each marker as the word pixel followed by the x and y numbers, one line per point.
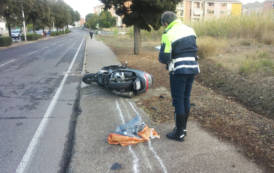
pixel 124 94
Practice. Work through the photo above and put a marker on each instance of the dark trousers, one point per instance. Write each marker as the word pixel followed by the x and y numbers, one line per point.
pixel 180 86
pixel 90 34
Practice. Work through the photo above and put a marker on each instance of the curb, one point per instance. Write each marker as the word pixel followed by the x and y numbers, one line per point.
pixel 84 70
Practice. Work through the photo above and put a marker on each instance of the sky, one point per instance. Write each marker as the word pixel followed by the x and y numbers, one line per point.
pixel 86 6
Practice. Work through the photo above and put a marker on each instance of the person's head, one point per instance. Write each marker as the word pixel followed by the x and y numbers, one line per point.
pixel 168 17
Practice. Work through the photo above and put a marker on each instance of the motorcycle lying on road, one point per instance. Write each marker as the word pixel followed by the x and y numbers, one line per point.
pixel 121 80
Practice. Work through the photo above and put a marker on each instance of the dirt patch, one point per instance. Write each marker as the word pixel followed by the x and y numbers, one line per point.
pixel 254 94
pixel 233 122
pixel 157 103
pixel 221 115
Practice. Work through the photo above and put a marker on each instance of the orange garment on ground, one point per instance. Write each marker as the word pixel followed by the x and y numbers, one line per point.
pixel 144 136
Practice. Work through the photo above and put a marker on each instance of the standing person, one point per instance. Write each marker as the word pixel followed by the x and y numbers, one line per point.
pixel 91 34
pixel 179 52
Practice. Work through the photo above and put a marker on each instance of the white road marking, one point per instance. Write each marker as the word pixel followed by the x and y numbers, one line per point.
pixel 157 157
pixel 42 126
pixel 10 61
pixel 141 146
pixel 125 106
pixel 120 112
pixel 150 145
pixel 33 52
pixel 135 158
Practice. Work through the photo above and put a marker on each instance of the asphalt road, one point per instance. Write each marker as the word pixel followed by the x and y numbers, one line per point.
pixel 39 90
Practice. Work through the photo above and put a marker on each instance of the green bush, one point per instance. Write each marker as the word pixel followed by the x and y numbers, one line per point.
pixel 56 33
pixel 67 31
pixel 261 62
pixel 53 33
pixel 5 41
pixel 60 32
pixel 31 37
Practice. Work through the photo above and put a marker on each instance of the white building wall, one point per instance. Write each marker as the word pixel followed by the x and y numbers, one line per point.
pixel 3 28
pixel 229 6
pixel 180 9
pixel 217 10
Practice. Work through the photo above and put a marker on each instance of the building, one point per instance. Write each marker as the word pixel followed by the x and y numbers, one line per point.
pixel 195 10
pixel 253 8
pixel 258 8
pixel 82 22
pixel 3 28
pixel 268 6
pixel 98 9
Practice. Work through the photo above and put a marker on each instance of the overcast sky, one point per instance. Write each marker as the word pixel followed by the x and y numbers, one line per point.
pixel 83 6
pixel 86 6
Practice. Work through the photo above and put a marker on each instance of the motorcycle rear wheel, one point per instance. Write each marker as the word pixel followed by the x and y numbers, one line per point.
pixel 89 78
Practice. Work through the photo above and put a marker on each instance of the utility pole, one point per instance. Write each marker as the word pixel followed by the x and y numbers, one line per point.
pixel 24 24
pixel 204 9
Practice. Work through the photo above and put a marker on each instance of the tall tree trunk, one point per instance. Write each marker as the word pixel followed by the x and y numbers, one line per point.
pixel 8 23
pixel 137 40
pixel 9 28
pixel 33 26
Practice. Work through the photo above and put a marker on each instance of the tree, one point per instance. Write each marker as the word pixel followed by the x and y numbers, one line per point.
pixel 3 6
pixel 141 14
pixel 76 16
pixel 73 16
pixel 106 20
pixel 38 13
pixel 92 21
pixel 10 11
pixel 45 20
pixel 60 12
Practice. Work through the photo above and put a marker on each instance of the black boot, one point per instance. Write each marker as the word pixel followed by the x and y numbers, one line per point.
pixel 185 124
pixel 177 135
pixel 178 132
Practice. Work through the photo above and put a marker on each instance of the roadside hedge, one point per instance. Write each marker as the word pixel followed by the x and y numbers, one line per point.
pixel 5 41
pixel 56 33
pixel 31 37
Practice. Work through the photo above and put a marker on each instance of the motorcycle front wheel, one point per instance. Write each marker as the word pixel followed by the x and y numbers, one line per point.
pixel 89 78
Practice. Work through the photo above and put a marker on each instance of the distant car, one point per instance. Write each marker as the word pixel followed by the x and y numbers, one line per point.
pixel 15 33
